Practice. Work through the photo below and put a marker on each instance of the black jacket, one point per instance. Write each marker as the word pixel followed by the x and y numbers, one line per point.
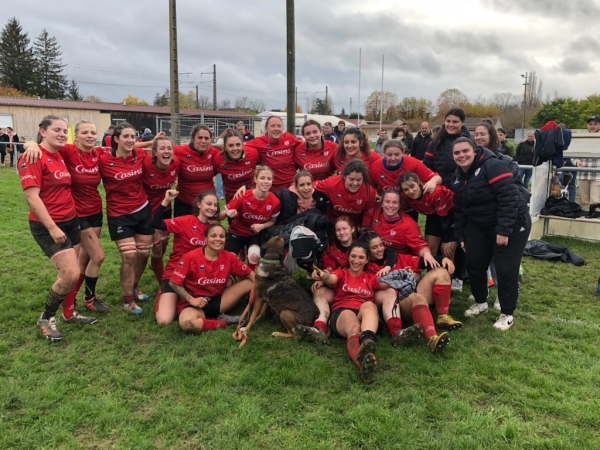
pixel 487 195
pixel 524 153
pixel 420 145
pixel 439 157
pixel 289 204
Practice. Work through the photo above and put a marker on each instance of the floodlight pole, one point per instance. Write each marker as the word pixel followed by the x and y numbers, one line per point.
pixel 174 66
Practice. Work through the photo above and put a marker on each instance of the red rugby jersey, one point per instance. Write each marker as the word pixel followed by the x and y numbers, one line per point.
pixel 358 205
pixel 122 179
pixel 236 173
pixel 368 160
pixel 403 262
pixel 440 202
pixel 196 172
pixel 157 181
pixel 404 236
pixel 352 292
pixel 319 163
pixel 51 176
pixel 384 179
pixel 335 257
pixel 204 278
pixel 279 156
pixel 251 210
pixel 188 234
pixel 85 178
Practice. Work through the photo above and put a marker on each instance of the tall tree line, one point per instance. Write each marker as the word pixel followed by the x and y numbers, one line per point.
pixel 34 69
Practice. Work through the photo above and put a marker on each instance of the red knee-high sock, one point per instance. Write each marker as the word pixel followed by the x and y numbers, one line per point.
pixel 68 304
pixel 353 344
pixel 394 324
pixel 422 315
pixel 321 326
pixel 157 267
pixel 441 297
pixel 209 324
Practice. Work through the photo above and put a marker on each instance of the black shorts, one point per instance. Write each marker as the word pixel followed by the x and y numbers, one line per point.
pixel 94 221
pixel 211 310
pixel 122 227
pixel 333 317
pixel 433 226
pixel 165 287
pixel 180 208
pixel 235 243
pixel 42 236
pixel 413 214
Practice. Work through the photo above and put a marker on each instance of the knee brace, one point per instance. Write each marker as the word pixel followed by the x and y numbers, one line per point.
pixel 253 254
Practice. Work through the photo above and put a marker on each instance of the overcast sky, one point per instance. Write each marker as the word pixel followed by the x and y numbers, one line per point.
pixel 478 46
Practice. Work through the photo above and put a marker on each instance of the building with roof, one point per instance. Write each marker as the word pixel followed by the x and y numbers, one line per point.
pixel 24 115
pixel 471 123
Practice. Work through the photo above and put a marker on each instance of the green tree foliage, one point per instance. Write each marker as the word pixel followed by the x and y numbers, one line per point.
pixel 73 92
pixel 415 108
pixel 572 112
pixel 17 62
pixel 50 82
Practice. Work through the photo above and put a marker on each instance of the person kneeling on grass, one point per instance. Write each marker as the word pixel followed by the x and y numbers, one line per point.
pixel 431 289
pixel 353 313
pixel 201 278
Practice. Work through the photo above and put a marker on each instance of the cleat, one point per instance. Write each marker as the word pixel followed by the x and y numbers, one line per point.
pixel 504 322
pixel 475 309
pixel 368 346
pixel 407 335
pixel 457 285
pixel 367 368
pixel 94 304
pixel 446 322
pixel 48 328
pixel 497 306
pixel 132 308
pixel 437 343
pixel 78 318
pixel 140 296
pixel 310 334
pixel 230 320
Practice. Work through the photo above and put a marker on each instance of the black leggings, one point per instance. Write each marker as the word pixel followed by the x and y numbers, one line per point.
pixel 481 248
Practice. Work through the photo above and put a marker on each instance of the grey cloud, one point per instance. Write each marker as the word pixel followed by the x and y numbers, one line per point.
pixel 574 65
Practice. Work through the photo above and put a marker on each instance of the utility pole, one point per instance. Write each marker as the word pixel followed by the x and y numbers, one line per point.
pixel 350 112
pixel 297 96
pixel 197 102
pixel 291 66
pixel 326 101
pixel 359 69
pixel 381 113
pixel 174 65
pixel 524 102
pixel 215 87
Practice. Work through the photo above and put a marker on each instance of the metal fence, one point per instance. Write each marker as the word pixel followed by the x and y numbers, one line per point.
pixel 187 122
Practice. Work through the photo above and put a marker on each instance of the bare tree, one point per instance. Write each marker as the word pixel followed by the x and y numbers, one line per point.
pixel 450 98
pixel 204 102
pixel 256 105
pixel 378 101
pixel 225 104
pixel 241 103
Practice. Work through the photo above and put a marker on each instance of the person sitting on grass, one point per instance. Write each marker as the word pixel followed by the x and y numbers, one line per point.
pixel 201 280
pixel 354 313
pixel 432 289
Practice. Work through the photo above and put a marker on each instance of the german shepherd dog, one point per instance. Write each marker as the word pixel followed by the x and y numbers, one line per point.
pixel 274 286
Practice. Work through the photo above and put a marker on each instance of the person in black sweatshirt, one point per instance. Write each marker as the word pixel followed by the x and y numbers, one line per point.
pixel 492 222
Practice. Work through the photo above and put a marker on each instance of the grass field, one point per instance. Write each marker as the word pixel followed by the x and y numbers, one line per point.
pixel 127 383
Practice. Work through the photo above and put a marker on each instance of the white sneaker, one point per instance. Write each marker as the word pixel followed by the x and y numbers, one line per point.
pixel 476 309
pixel 471 298
pixel 497 304
pixel 457 284
pixel 504 322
